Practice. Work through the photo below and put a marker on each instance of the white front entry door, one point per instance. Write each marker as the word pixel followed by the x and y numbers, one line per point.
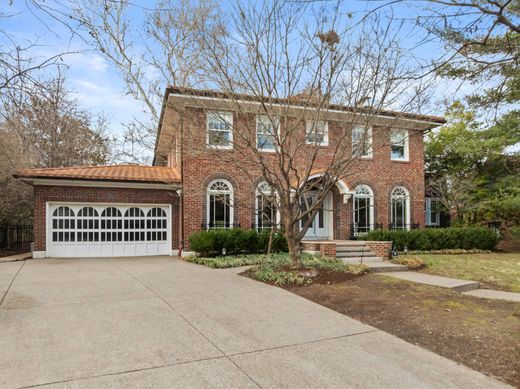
pixel 321 226
pixel 107 230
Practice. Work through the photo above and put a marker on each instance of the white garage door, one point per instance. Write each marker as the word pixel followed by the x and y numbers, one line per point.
pixel 108 230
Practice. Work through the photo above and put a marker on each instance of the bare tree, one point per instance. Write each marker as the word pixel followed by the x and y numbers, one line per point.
pixel 44 127
pixel 161 49
pixel 297 65
pixel 52 127
pixel 19 67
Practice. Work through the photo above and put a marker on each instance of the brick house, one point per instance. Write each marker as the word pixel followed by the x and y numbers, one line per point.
pixel 127 210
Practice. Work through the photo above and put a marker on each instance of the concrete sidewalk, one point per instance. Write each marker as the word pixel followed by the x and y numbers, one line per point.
pixel 162 322
pixel 470 288
pixel 429 279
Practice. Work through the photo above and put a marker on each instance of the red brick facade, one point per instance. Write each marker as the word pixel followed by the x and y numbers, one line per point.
pixel 381 173
pixel 381 249
pixel 44 194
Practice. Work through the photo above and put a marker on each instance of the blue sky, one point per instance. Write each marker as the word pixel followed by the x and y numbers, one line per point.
pixel 96 83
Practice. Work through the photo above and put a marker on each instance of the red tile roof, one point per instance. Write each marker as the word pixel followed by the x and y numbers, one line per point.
pixel 124 173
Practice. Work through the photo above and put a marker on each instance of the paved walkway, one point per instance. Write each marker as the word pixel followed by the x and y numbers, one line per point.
pixel 162 322
pixel 466 287
pixel 494 294
pixel 428 279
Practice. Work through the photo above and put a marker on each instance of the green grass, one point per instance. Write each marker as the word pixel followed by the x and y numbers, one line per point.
pixel 495 270
pixel 238 260
pixel 273 268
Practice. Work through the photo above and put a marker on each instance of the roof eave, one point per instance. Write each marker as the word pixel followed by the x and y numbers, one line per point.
pixel 70 181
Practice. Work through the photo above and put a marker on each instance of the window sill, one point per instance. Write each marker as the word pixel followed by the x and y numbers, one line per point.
pixel 219 147
pixel 321 146
pixel 400 160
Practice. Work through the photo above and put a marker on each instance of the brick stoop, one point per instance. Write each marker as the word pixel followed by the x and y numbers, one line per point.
pixel 373 254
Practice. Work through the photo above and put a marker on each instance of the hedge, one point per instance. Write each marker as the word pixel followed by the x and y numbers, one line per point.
pixel 236 241
pixel 466 238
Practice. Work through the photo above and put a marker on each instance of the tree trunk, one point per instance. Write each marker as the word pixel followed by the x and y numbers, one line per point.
pixel 270 244
pixel 295 251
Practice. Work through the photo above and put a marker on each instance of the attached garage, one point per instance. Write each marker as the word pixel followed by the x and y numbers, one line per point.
pixel 105 211
pixel 108 230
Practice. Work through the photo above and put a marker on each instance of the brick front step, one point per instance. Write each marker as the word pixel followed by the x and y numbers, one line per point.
pixel 351 248
pixel 348 248
pixel 356 254
pixel 358 260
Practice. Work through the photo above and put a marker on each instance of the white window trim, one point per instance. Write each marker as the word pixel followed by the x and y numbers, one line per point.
pixel 227 116
pixel 231 201
pixel 371 210
pixel 308 128
pixel 407 203
pixel 277 133
pixel 406 146
pixel 257 195
pixel 368 139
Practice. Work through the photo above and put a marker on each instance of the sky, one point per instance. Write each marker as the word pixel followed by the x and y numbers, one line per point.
pixel 98 86
pixel 91 78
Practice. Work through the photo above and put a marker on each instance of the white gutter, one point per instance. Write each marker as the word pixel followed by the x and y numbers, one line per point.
pixel 186 96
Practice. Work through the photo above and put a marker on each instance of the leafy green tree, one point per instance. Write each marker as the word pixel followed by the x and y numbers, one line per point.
pixel 472 169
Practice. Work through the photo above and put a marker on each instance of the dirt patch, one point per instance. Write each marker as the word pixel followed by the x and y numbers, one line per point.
pixel 480 333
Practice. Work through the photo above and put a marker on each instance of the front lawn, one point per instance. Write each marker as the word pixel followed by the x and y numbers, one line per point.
pixel 495 270
pixel 480 333
pixel 276 269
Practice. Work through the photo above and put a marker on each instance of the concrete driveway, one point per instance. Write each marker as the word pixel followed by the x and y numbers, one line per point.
pixel 162 322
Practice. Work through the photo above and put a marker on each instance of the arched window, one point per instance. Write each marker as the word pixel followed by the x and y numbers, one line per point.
pixel 156 225
pixel 363 217
pixel 219 204
pixel 88 225
pixel 400 217
pixel 265 209
pixel 62 223
pixel 134 225
pixel 111 225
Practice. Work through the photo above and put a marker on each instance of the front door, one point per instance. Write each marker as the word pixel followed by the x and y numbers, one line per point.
pixel 319 228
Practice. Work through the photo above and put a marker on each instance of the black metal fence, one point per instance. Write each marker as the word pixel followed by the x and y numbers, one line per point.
pixel 412 226
pixel 218 225
pixel 15 239
pixel 359 230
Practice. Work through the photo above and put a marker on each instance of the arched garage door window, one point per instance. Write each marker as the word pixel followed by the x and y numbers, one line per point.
pixel 111 225
pixel 63 222
pixel 134 225
pixel 88 225
pixel 156 225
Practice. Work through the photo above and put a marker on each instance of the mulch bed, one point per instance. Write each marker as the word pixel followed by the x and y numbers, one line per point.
pixel 480 333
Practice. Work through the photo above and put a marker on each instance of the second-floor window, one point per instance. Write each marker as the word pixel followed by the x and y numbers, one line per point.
pixel 399 145
pixel 266 130
pixel 220 130
pixel 317 133
pixel 362 142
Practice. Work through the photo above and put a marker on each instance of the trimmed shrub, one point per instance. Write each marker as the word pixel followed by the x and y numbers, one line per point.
pixel 466 238
pixel 279 244
pixel 236 241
